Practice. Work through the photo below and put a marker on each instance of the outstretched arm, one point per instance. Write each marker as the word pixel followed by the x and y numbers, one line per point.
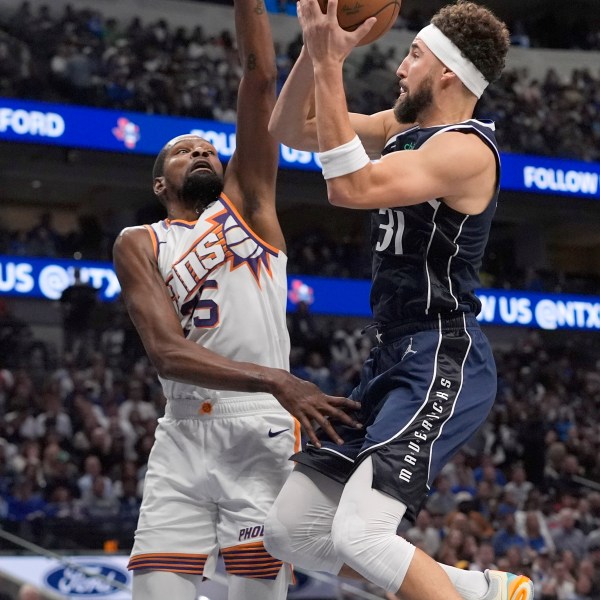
pixel 293 120
pixel 450 166
pixel 251 175
pixel 179 359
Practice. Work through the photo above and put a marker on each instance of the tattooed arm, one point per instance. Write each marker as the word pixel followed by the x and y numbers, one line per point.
pixel 251 174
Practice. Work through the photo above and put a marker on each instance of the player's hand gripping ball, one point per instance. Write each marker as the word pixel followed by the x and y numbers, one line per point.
pixel 352 13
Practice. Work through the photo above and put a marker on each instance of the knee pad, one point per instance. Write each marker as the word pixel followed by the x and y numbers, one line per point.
pixel 298 526
pixel 277 537
pixel 364 532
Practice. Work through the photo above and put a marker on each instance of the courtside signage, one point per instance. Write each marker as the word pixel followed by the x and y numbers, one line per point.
pixel 498 307
pixel 550 176
pixel 48 278
pixel 137 133
pixel 97 577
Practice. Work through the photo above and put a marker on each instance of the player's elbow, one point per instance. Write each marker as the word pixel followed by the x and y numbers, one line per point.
pixel 165 361
pixel 276 127
pixel 280 132
pixel 263 81
pixel 166 369
pixel 294 134
pixel 340 196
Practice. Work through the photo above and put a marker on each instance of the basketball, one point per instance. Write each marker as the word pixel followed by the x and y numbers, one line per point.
pixel 352 13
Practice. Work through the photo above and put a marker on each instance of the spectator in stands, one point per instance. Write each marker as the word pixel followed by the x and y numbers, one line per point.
pixel 53 418
pixel 484 558
pixel 441 501
pixel 518 486
pixel 93 472
pixel 561 583
pixel 460 473
pixel 424 535
pixel 137 400
pixel 98 502
pixel 25 507
pixel 588 512
pixel 569 536
pixel 536 534
pixel 78 302
pixel 507 535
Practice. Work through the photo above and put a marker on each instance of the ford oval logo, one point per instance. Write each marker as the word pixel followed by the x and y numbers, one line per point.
pixel 74 582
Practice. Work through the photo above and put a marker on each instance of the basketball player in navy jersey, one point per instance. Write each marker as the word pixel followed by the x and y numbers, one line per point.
pixel 206 289
pixel 430 381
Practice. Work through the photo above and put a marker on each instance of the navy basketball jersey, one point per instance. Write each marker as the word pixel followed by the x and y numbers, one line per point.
pixel 426 257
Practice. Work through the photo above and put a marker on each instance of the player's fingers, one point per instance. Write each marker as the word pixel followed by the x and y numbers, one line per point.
pixel 327 427
pixel 348 403
pixel 332 9
pixel 308 8
pixel 309 431
pixel 344 417
pixel 300 11
pixel 344 403
pixel 364 28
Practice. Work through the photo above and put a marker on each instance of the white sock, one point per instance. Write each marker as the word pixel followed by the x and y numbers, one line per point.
pixel 471 585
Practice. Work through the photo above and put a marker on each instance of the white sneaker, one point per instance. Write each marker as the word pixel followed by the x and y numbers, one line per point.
pixel 507 586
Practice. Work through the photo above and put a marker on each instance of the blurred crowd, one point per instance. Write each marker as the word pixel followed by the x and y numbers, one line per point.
pixel 76 427
pixel 552 116
pixel 77 422
pixel 81 57
pixel 313 252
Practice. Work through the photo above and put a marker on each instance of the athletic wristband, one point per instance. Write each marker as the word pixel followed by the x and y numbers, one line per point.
pixel 344 159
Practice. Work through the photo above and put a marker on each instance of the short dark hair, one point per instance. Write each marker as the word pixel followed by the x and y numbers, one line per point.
pixel 159 163
pixel 478 33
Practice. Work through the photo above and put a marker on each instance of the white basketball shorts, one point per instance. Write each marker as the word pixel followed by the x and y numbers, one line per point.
pixel 213 474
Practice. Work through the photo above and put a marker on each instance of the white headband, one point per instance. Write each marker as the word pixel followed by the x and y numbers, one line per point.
pixel 453 58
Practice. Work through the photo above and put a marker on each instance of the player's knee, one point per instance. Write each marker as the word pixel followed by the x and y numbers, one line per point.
pixel 373 549
pixel 355 540
pixel 297 542
pixel 345 535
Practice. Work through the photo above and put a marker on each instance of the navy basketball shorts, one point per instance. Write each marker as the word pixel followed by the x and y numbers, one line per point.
pixel 425 390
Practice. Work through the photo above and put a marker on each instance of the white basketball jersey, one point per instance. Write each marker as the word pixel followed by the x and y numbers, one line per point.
pixel 229 289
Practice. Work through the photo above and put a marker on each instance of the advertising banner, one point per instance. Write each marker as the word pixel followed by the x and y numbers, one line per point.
pixel 105 577
pixel 47 278
pixel 137 133
pixel 97 577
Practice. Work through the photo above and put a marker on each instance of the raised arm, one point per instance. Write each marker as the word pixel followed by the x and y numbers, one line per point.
pixel 293 121
pixel 450 166
pixel 251 174
pixel 179 359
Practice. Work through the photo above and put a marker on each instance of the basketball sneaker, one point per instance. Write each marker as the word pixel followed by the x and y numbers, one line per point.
pixel 506 586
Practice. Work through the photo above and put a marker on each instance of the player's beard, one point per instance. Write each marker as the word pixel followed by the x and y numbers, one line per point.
pixel 410 106
pixel 200 189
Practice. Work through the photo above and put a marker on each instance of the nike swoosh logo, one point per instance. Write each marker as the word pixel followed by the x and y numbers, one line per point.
pixel 276 433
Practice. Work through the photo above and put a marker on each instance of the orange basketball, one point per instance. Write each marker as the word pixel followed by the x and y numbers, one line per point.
pixel 351 13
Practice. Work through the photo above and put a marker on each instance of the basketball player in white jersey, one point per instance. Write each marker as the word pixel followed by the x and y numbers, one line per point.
pixel 206 289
